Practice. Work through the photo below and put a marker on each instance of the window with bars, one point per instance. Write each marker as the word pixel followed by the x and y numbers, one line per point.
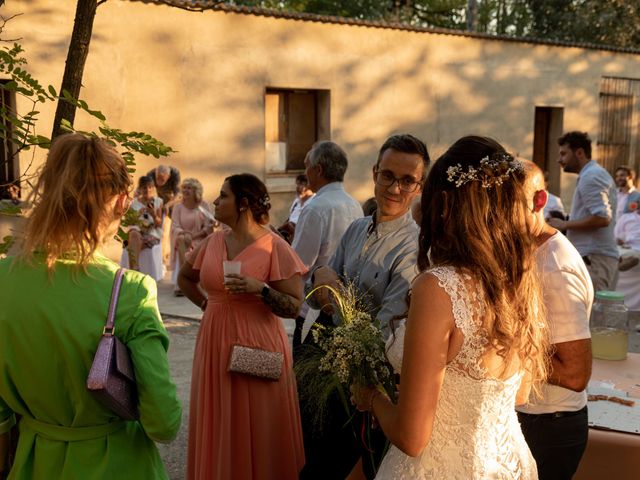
pixel 619 139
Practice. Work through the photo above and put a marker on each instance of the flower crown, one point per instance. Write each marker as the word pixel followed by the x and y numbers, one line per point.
pixel 493 171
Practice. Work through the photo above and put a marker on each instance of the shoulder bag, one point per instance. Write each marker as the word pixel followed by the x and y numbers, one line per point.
pixel 111 379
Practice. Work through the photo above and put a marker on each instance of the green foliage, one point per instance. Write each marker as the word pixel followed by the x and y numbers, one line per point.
pixel 614 22
pixel 23 135
pixel 10 209
pixel 5 245
pixel 23 127
pixel 351 353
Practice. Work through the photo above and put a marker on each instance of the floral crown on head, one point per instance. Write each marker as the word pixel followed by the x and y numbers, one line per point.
pixel 493 171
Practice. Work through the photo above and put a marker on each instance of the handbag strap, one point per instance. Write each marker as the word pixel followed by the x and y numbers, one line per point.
pixel 109 326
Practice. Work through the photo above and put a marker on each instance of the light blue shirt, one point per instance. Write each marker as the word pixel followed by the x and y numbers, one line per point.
pixel 322 222
pixel 382 261
pixel 596 195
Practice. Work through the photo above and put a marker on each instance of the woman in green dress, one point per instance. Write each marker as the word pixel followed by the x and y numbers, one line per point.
pixel 54 297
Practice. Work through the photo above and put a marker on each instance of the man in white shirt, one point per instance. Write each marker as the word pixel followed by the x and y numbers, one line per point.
pixel 624 178
pixel 627 234
pixel 325 217
pixel 555 425
pixel 627 230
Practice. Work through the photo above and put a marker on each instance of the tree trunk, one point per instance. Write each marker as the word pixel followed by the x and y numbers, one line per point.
pixel 76 58
pixel 472 15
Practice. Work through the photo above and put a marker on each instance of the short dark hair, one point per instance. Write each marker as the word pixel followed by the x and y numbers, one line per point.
pixel 145 180
pixel 302 178
pixel 628 169
pixel 406 143
pixel 576 140
pixel 251 188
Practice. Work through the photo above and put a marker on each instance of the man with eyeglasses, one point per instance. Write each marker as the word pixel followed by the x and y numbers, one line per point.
pixel 378 253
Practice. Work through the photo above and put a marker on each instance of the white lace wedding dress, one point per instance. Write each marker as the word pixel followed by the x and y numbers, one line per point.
pixel 476 434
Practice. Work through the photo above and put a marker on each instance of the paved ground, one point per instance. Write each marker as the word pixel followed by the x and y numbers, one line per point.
pixel 182 320
pixel 183 336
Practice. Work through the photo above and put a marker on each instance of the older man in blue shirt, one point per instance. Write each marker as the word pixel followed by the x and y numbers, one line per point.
pixel 593 210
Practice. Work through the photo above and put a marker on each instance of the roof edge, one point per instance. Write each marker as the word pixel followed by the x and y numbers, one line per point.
pixel 201 5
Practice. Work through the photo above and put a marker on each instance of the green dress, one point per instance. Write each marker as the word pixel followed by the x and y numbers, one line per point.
pixel 50 325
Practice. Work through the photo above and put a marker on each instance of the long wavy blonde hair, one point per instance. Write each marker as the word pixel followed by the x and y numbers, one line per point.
pixel 72 198
pixel 486 230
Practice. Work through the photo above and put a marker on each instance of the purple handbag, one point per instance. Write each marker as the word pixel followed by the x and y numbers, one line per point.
pixel 111 379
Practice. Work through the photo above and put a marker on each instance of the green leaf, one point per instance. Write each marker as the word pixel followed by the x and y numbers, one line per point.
pixel 10 86
pixel 66 126
pixel 67 96
pixel 97 113
pixel 10 209
pixel 52 91
pixel 41 141
pixel 6 244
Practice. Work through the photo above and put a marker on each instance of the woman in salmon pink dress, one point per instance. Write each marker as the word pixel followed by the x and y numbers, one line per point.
pixel 191 222
pixel 243 427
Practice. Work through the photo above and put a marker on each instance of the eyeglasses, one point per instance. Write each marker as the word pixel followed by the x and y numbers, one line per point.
pixel 385 178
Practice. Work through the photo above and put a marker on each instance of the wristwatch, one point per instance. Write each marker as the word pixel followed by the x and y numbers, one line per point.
pixel 265 291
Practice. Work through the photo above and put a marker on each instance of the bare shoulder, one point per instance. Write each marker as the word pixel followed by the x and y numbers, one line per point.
pixel 429 300
pixel 427 283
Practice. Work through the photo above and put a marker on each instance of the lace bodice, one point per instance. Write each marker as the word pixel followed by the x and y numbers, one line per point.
pixel 476 434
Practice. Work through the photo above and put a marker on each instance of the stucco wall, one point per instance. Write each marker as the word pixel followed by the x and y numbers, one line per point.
pixel 197 81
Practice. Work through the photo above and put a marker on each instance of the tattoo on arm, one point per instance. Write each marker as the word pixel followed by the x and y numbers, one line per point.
pixel 281 304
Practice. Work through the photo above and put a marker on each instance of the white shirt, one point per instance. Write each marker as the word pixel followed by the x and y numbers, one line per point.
pixel 622 201
pixel 568 295
pixel 321 224
pixel 628 229
pixel 553 203
pixel 150 229
pixel 296 208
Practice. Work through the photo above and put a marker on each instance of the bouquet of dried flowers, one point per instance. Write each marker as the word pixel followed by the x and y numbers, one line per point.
pixel 351 352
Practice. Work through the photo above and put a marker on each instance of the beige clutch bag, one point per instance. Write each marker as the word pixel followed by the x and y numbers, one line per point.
pixel 255 362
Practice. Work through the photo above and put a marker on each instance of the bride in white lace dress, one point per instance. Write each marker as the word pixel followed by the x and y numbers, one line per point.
pixel 475 338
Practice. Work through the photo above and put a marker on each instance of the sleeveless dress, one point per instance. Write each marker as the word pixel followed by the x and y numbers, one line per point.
pixel 243 427
pixel 476 434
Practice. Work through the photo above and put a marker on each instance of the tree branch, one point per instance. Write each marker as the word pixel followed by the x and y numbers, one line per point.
pixel 4 22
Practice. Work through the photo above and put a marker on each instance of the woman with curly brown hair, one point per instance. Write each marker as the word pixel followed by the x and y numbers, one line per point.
pixel 475 338
pixel 243 426
pixel 55 297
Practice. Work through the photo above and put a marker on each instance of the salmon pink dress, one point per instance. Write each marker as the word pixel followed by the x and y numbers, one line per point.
pixel 243 427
